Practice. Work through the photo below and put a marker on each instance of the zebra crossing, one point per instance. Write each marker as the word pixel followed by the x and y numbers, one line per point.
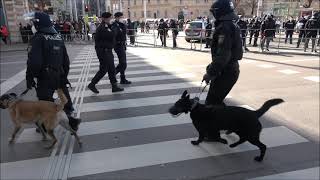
pixel 130 135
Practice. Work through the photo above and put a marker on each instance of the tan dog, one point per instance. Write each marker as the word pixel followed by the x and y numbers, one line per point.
pixel 48 113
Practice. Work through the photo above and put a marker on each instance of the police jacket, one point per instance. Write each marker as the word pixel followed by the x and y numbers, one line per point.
pixel 121 30
pixel 289 25
pixel 243 27
pixel 226 47
pixel 256 26
pixel 48 59
pixel 105 36
pixel 312 26
pixel 163 28
pixel 268 28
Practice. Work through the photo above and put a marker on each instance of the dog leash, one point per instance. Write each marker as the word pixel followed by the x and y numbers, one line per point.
pixel 201 90
pixel 24 92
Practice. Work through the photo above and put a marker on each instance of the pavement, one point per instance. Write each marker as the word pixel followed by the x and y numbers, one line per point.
pixel 130 135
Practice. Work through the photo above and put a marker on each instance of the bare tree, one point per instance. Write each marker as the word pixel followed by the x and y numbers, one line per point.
pixel 245 5
pixel 307 3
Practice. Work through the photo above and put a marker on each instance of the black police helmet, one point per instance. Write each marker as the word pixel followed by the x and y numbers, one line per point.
pixel 220 8
pixel 118 14
pixel 316 15
pixel 43 23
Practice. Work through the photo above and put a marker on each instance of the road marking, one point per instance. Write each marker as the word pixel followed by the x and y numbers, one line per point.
pixel 312 78
pixel 150 78
pixel 94 61
pixel 109 160
pixel 12 82
pixel 299 60
pixel 310 174
pixel 139 102
pixel 116 159
pixel 288 71
pixel 129 64
pixel 146 88
pixel 15 62
pixel 266 66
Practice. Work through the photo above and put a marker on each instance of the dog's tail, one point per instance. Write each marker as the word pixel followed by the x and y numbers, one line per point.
pixel 63 100
pixel 267 105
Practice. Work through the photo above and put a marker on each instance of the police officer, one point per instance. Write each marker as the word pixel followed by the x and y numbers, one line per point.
pixel 243 29
pixel 104 43
pixel 163 32
pixel 175 32
pixel 208 33
pixel 313 27
pixel 256 28
pixel 289 27
pixel 49 63
pixel 226 50
pixel 120 47
pixel 268 28
pixel 302 31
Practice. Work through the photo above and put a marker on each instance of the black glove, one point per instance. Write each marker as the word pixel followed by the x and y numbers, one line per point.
pixel 207 78
pixel 31 83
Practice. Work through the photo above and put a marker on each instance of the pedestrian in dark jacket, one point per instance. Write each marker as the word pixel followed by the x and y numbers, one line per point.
pixel 313 28
pixel 131 31
pixel 175 32
pixel 268 28
pixel 302 30
pixel 208 33
pixel 163 32
pixel 243 29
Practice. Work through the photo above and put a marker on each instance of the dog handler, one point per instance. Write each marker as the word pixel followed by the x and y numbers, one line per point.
pixel 104 43
pixel 49 63
pixel 226 50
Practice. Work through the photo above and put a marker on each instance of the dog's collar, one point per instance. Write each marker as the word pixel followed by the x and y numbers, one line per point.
pixel 195 103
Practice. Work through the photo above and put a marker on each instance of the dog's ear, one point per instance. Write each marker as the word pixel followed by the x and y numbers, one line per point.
pixel 184 94
pixel 188 97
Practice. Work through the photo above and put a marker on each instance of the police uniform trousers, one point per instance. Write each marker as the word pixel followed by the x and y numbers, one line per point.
pixel 301 37
pixel 289 34
pixel 120 49
pixel 223 84
pixel 106 60
pixel 45 93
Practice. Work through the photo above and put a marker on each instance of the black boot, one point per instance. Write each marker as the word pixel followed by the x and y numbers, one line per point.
pixel 44 129
pixel 116 88
pixel 124 80
pixel 93 88
pixel 74 123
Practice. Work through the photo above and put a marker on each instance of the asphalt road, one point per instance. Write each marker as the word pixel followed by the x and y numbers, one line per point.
pixel 130 135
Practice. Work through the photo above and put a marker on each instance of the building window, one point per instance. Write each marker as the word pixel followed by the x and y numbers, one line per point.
pixel 158 1
pixel 149 1
pixel 135 2
pixel 128 2
pixel 180 1
pixel 158 13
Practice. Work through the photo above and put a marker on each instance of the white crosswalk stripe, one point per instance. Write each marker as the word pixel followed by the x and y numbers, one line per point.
pixel 136 153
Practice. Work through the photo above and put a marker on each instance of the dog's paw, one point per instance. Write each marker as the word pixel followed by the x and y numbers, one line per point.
pixel 195 143
pixel 80 144
pixel 11 141
pixel 258 158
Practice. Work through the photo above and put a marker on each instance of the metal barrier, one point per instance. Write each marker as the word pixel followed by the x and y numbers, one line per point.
pixel 195 39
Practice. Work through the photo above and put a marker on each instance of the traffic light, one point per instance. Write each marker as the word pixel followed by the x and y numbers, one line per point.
pixel 86 9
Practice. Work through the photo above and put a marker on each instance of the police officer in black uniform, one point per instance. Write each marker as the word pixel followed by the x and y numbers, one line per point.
pixel 226 50
pixel 104 43
pixel 256 28
pixel 163 32
pixel 120 46
pixel 208 33
pixel 243 25
pixel 268 28
pixel 289 27
pixel 49 63
pixel 313 27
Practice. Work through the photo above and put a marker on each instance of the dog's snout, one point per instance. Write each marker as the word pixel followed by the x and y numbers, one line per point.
pixel 173 110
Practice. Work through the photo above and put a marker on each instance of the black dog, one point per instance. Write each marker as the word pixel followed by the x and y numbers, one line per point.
pixel 244 122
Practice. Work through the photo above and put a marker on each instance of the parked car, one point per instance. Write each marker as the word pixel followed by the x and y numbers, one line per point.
pixel 195 30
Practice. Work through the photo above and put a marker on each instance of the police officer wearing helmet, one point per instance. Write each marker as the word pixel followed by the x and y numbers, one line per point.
pixel 49 63
pixel 120 46
pixel 226 50
pixel 104 43
pixel 313 27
